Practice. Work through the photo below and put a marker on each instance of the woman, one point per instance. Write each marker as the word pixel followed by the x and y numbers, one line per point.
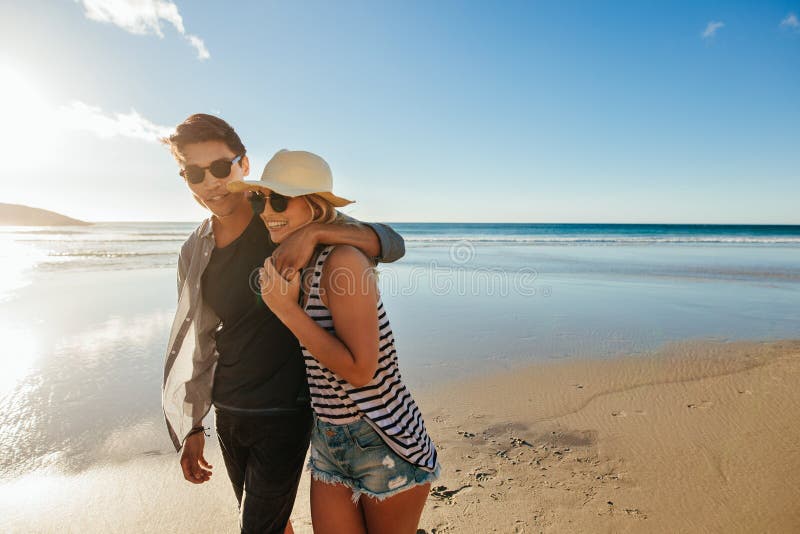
pixel 369 444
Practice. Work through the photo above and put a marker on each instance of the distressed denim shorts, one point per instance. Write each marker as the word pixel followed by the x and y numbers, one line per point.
pixel 356 456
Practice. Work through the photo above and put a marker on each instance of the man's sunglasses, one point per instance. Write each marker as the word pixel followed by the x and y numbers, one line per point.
pixel 220 168
pixel 277 202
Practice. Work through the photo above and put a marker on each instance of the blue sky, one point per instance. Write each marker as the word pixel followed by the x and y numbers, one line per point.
pixel 426 111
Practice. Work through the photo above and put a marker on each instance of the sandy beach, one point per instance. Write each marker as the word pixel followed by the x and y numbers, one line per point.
pixel 700 437
pixel 696 437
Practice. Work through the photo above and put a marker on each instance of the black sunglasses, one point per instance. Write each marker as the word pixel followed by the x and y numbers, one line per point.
pixel 220 168
pixel 277 202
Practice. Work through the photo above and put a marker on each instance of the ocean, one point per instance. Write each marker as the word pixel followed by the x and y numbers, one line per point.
pixel 141 245
pixel 85 313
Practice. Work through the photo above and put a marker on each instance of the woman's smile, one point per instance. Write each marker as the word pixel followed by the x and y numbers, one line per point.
pixel 273 224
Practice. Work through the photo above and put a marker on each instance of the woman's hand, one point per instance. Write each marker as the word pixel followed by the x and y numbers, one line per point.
pixel 278 293
pixel 295 250
pixel 349 290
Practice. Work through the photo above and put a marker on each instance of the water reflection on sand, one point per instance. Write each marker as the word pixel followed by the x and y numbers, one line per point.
pixel 82 360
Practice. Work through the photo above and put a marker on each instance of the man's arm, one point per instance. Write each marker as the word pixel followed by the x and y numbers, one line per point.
pixel 377 241
pixel 193 464
pixel 391 245
pixel 183 266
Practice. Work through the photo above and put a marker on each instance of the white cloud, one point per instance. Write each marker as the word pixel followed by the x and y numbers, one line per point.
pixel 83 117
pixel 142 17
pixel 711 29
pixel 791 22
pixel 199 45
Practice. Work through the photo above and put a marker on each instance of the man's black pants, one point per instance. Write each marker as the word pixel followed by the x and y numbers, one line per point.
pixel 264 456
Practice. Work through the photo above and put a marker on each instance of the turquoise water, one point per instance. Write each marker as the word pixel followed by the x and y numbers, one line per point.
pixel 85 313
pixel 601 233
pixel 142 245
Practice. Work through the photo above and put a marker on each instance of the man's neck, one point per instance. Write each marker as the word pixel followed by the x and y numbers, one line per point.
pixel 227 229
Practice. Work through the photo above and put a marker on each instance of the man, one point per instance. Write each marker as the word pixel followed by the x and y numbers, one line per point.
pixel 226 347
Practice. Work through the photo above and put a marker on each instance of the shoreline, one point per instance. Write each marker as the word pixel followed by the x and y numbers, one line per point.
pixel 697 436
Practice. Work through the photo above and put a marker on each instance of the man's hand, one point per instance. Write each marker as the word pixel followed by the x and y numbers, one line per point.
pixel 195 468
pixel 293 254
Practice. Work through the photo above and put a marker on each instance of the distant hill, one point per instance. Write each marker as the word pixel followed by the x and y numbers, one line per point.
pixel 19 215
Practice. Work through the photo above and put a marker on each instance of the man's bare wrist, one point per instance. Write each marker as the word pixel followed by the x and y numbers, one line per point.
pixel 196 430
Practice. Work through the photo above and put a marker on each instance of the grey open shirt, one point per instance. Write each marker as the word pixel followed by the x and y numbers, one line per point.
pixel 191 353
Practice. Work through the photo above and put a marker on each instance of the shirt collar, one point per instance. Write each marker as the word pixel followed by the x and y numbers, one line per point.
pixel 207 229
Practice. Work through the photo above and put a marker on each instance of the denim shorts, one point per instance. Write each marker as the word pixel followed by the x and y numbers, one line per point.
pixel 356 456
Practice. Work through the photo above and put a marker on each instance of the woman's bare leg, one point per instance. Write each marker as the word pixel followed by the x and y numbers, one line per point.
pixel 398 514
pixel 333 511
pixel 289 529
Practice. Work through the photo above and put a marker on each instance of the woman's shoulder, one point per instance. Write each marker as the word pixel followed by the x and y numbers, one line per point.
pixel 343 256
pixel 346 270
pixel 346 265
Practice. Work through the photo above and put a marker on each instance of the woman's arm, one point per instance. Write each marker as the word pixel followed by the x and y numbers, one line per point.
pixel 349 290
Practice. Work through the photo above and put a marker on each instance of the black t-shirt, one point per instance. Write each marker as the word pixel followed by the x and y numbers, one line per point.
pixel 260 365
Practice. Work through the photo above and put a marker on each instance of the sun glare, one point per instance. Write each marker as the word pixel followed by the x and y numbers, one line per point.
pixel 25 111
pixel 16 263
pixel 22 348
pixel 20 343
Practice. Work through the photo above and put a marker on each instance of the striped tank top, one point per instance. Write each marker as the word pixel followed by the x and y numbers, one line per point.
pixel 384 402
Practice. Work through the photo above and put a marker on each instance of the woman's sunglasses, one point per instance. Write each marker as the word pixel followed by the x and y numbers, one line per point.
pixel 220 168
pixel 277 202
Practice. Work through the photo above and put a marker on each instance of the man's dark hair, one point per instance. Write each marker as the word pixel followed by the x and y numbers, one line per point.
pixel 201 127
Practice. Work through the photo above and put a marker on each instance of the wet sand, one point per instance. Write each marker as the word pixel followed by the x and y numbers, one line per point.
pixel 698 437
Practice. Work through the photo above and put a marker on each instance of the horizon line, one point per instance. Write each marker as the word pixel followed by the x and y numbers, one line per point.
pixel 498 222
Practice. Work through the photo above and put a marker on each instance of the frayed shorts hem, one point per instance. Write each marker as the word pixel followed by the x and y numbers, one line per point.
pixel 330 478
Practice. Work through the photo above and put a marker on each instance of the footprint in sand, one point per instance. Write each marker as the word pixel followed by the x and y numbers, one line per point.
pixel 519 442
pixel 441 492
pixel 635 512
pixel 485 475
pixel 623 413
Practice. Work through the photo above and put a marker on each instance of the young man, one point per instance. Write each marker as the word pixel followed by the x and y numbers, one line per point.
pixel 226 348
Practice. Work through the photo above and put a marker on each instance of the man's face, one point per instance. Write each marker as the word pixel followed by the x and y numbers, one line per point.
pixel 212 192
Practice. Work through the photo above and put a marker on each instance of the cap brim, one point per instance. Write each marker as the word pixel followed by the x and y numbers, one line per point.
pixel 240 186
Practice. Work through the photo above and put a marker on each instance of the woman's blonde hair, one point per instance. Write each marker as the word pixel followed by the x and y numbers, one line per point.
pixel 324 211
